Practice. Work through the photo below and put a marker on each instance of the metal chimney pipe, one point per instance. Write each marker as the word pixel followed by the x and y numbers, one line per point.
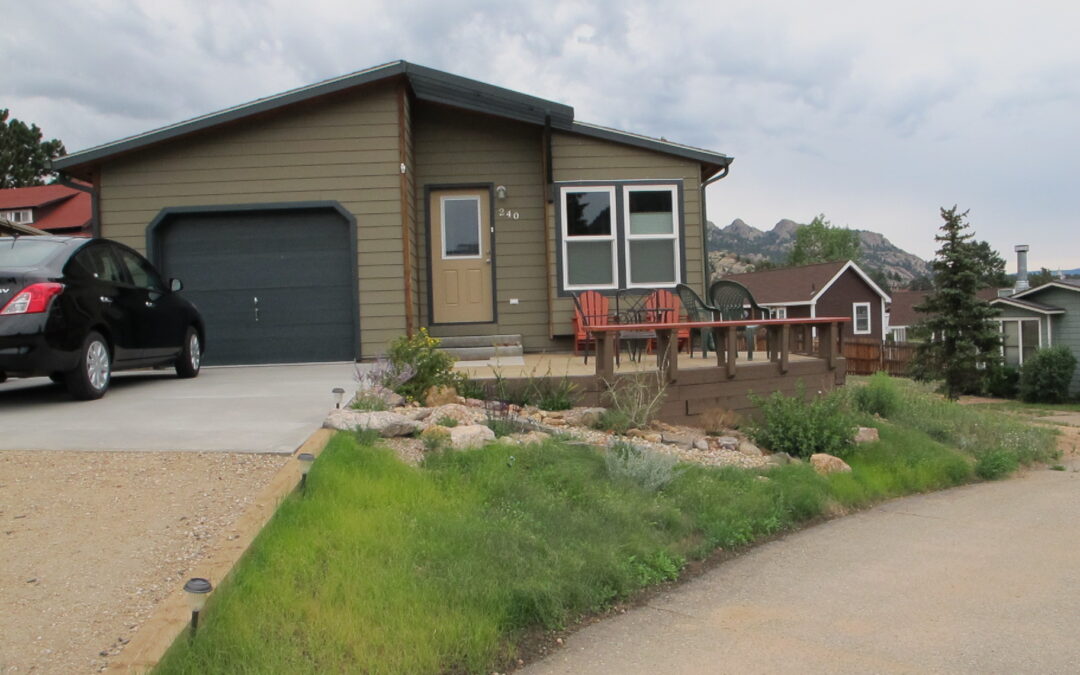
pixel 1021 268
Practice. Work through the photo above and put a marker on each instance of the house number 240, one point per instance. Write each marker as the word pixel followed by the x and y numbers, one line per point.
pixel 508 213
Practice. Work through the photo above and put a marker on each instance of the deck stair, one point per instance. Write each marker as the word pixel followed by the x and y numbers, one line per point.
pixel 482 347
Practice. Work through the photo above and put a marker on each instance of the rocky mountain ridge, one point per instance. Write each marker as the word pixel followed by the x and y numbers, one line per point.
pixel 736 248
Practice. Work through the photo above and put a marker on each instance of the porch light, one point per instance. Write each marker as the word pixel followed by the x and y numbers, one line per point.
pixel 196 590
pixel 339 395
pixel 500 192
pixel 306 459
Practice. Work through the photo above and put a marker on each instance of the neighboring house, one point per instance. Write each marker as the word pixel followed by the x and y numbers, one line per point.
pixel 8 228
pixel 827 289
pixel 902 316
pixel 55 209
pixel 321 223
pixel 1044 316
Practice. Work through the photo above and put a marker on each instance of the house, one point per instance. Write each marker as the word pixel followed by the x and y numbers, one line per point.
pixel 1043 316
pixel 55 209
pixel 838 288
pixel 902 316
pixel 321 223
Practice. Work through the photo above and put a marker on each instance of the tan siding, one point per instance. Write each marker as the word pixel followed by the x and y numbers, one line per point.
pixel 456 147
pixel 343 149
pixel 576 157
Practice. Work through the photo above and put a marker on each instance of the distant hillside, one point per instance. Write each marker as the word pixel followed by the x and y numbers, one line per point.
pixel 733 248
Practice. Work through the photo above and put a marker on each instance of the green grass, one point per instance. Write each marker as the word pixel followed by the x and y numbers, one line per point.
pixel 386 568
pixel 1010 405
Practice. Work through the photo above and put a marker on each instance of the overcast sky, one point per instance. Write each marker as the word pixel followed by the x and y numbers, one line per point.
pixel 875 116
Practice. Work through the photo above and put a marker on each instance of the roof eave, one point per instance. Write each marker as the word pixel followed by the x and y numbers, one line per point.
pixel 667 147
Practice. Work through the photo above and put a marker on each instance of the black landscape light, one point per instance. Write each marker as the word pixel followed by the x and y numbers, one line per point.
pixel 306 459
pixel 197 589
pixel 339 395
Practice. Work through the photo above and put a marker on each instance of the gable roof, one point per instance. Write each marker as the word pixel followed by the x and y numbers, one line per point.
pixel 1039 307
pixel 56 206
pixel 1067 284
pixel 427 84
pixel 802 285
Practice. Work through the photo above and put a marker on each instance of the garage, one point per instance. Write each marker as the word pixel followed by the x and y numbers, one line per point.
pixel 274 284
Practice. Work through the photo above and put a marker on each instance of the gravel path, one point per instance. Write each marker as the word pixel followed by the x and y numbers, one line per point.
pixel 93 541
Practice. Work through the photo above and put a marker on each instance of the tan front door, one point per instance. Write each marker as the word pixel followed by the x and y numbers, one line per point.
pixel 461 265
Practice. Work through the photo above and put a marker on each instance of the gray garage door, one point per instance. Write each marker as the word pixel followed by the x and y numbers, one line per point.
pixel 272 286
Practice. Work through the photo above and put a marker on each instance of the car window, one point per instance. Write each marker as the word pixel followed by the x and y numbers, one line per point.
pixel 98 263
pixel 142 272
pixel 25 251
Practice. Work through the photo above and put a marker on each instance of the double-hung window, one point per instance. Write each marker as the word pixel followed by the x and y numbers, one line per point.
pixel 620 235
pixel 860 313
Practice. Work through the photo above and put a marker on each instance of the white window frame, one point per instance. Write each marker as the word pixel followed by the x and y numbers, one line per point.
pixel 1019 335
pixel 19 216
pixel 899 333
pixel 673 237
pixel 612 238
pixel 479 226
pixel 778 312
pixel 855 319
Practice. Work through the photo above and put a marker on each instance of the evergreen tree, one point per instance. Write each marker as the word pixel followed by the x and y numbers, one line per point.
pixel 24 156
pixel 960 339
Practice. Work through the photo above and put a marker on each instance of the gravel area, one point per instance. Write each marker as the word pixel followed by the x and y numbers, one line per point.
pixel 92 542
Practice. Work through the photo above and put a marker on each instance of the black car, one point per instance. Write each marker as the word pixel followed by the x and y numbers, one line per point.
pixel 76 309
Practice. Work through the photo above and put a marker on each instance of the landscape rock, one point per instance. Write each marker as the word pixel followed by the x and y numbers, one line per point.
pixel 728 443
pixel 681 438
pixel 554 421
pixel 470 436
pixel 584 417
pixel 826 464
pixel 392 398
pixel 528 438
pixel 440 395
pixel 436 432
pixel 779 459
pixel 701 444
pixel 387 424
pixel 474 403
pixel 461 414
pixel 650 436
pixel 415 414
pixel 866 435
pixel 749 449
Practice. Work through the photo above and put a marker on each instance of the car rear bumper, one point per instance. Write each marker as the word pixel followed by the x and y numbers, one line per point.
pixel 26 350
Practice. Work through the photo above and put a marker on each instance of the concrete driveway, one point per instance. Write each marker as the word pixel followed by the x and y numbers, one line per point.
pixel 980 579
pixel 270 409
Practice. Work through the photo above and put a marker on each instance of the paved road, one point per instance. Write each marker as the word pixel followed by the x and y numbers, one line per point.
pixel 980 579
pixel 248 409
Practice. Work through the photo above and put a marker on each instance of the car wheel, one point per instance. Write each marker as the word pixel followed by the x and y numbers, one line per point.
pixel 90 379
pixel 187 364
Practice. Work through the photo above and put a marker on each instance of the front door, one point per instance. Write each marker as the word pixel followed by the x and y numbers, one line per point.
pixel 461 261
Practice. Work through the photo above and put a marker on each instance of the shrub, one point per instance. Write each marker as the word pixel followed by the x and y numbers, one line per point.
pixel 368 401
pixel 447 421
pixel 803 427
pixel 1002 381
pixel 615 421
pixel 995 464
pixel 880 396
pixel 646 468
pixel 429 365
pixel 368 438
pixel 1045 376
pixel 636 398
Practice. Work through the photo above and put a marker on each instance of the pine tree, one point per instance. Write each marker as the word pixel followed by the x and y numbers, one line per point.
pixel 960 340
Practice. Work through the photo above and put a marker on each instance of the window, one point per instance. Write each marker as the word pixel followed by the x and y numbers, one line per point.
pixel 97 262
pixel 898 334
pixel 1020 339
pixel 142 274
pixel 22 216
pixel 860 314
pixel 778 312
pixel 461 227
pixel 652 240
pixel 621 235
pixel 589 255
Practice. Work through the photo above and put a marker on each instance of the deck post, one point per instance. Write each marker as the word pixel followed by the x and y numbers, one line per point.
pixel 667 354
pixel 717 335
pixel 785 347
pixel 605 356
pixel 732 349
pixel 827 336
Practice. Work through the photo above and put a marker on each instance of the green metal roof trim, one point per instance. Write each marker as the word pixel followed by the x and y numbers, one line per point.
pixel 428 84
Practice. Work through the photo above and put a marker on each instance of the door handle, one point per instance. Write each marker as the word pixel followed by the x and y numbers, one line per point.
pixel 105 299
pixel 255 301
pixel 150 304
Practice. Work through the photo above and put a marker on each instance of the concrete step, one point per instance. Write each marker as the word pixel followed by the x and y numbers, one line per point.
pixel 484 353
pixel 449 343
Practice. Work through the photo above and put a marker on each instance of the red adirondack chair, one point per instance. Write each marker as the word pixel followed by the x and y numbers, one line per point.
pixel 590 309
pixel 667 309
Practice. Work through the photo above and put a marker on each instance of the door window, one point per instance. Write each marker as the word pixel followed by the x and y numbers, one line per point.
pixel 461 227
pixel 96 262
pixel 142 273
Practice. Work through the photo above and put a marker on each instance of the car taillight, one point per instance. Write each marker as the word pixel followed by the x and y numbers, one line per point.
pixel 33 299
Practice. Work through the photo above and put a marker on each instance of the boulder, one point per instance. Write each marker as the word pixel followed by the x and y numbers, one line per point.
pixel 470 436
pixel 701 444
pixel 584 417
pixel 415 414
pixel 728 443
pixel 779 459
pixel 749 449
pixel 683 439
pixel 826 464
pixel 461 414
pixel 387 424
pixel 440 395
pixel 392 398
pixel 866 435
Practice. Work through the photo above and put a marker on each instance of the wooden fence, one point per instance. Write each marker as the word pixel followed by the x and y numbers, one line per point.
pixel 866 356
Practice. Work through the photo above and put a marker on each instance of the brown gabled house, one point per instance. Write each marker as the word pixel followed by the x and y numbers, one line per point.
pixel 826 289
pixel 321 223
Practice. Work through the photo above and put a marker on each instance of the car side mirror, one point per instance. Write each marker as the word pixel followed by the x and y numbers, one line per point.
pixel 176 285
